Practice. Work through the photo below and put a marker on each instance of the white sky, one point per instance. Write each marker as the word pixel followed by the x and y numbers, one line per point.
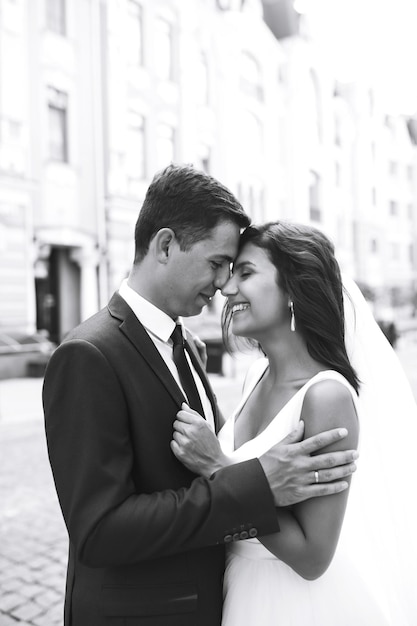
pixel 374 40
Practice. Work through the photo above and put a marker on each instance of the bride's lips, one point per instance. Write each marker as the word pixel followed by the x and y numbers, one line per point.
pixel 239 308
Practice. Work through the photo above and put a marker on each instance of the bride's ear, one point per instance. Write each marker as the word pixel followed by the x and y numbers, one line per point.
pixel 162 244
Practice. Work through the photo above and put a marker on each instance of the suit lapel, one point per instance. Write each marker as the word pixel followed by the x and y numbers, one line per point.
pixel 132 328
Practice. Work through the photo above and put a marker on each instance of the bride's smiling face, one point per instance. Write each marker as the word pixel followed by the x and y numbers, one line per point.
pixel 259 306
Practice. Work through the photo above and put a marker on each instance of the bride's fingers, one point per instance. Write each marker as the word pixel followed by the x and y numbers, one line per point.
pixel 179 438
pixel 186 414
pixel 185 417
pixel 178 426
pixel 176 449
pixel 182 428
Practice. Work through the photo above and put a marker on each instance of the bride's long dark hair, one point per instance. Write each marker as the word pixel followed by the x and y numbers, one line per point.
pixel 309 272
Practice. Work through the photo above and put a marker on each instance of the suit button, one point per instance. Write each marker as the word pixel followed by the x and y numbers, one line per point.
pixel 244 534
pixel 253 532
pixel 228 538
pixel 236 537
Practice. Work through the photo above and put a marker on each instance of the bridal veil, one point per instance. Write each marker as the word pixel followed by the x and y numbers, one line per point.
pixel 381 519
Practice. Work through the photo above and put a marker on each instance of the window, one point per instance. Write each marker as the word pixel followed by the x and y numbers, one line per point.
pixel 371 102
pixel 373 150
pixel 165 145
pixel 337 174
pixel 135 157
pixel 256 202
pixel 250 76
pixel 134 33
pixel 12 145
pixel 55 16
pixel 251 194
pixel 388 123
pixel 254 145
pixel 395 251
pixel 57 123
pixel 163 49
pixel 204 158
pixel 314 109
pixel 202 80
pixel 341 230
pixel 393 208
pixel 314 196
pixel 338 131
pixel 393 168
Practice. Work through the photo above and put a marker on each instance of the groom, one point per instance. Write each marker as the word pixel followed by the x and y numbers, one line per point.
pixel 146 535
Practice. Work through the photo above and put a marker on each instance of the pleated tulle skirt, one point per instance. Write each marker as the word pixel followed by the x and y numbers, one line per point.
pixel 260 590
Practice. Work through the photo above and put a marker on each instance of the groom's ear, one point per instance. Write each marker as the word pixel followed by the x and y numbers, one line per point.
pixel 163 243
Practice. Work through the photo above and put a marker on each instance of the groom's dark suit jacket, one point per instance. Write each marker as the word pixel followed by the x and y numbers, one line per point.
pixel 146 535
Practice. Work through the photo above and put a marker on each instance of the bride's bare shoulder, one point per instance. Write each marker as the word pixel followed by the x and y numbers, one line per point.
pixel 329 403
pixel 330 390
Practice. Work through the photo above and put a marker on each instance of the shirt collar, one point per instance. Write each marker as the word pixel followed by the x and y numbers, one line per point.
pixel 152 318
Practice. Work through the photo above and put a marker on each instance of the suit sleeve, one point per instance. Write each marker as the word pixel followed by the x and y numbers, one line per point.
pixel 91 456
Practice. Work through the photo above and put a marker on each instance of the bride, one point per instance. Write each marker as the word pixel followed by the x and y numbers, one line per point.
pixel 345 559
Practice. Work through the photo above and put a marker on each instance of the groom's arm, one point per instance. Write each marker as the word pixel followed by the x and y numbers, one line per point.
pixel 109 521
pixel 289 467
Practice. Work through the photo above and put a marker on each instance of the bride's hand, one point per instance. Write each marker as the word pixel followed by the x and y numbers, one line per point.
pixel 195 444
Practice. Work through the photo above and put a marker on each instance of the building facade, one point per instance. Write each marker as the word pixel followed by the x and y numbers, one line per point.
pixel 97 95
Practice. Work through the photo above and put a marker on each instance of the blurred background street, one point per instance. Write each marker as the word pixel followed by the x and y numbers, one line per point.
pixel 33 540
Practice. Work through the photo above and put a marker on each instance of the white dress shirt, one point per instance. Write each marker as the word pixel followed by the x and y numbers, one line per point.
pixel 160 327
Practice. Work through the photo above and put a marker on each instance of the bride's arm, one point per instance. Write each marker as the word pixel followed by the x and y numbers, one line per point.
pixel 309 531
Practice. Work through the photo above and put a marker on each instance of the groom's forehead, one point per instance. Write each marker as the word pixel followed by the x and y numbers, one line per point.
pixel 222 242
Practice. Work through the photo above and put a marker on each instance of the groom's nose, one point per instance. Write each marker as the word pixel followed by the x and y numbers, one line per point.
pixel 222 276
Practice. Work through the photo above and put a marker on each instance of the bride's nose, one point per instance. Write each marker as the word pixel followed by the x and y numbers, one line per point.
pixel 230 288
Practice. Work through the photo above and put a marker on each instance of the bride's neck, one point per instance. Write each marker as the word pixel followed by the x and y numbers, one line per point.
pixel 289 361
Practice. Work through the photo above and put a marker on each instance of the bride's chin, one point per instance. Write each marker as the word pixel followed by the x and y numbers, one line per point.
pixel 239 332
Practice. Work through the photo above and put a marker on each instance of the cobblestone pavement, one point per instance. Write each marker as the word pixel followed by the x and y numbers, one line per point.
pixel 32 534
pixel 33 540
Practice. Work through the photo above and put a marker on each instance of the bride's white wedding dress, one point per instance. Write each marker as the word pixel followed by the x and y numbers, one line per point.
pixel 260 589
pixel 372 580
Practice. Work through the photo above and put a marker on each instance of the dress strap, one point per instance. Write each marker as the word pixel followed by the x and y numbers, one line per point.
pixel 330 375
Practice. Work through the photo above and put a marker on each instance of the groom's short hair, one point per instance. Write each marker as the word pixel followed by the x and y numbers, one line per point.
pixel 190 202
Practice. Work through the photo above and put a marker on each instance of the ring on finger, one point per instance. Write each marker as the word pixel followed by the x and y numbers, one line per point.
pixel 316 476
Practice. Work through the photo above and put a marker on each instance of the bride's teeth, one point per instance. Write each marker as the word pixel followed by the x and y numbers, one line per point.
pixel 239 307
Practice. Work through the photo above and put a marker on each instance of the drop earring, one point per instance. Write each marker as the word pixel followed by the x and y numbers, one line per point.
pixel 292 324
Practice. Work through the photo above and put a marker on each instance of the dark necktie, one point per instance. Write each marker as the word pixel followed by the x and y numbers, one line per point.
pixel 184 371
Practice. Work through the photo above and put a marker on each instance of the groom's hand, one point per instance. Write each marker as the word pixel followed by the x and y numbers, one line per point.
pixel 295 475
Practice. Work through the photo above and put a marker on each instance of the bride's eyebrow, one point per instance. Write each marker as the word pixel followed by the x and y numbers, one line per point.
pixel 241 264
